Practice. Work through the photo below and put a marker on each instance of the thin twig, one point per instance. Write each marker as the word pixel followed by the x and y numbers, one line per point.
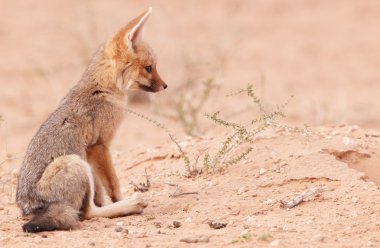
pixel 142 187
pixel 184 193
pixel 300 198
pixel 178 192
pixel 9 159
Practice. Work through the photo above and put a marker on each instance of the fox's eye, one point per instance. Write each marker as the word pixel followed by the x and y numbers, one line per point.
pixel 148 68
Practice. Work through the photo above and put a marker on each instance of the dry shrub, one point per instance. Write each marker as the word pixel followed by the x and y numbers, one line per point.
pixel 238 143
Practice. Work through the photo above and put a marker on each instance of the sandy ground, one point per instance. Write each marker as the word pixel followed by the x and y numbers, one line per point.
pixel 325 53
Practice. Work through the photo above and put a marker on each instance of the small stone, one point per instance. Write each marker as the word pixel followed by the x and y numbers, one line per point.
pixel 241 190
pixel 157 224
pixel 355 199
pixel 347 141
pixel 268 202
pixel 273 155
pixel 262 171
pixel 44 236
pixel 91 243
pixel 119 229
pixel 318 238
pixel 251 220
pixel 176 224
pixel 217 225
pixel 275 242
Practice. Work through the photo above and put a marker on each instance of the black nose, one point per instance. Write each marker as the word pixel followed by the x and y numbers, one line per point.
pixel 165 85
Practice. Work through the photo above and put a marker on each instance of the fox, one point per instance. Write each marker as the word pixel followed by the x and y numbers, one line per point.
pixel 67 174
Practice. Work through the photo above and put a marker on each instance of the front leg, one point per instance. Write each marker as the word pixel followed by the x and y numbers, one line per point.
pixel 99 158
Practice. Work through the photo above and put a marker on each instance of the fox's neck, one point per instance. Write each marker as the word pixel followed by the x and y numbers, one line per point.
pixel 101 72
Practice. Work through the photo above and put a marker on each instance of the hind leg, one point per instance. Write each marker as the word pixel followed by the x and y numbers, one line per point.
pixel 67 187
pixel 62 190
pixel 73 181
pixel 65 181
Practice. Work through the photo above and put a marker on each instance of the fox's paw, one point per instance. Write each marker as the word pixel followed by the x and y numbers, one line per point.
pixel 139 202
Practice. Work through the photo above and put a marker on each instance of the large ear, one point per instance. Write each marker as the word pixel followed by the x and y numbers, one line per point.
pixel 134 35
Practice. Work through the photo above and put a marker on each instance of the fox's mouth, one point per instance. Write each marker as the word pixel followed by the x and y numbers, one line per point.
pixel 152 88
pixel 146 88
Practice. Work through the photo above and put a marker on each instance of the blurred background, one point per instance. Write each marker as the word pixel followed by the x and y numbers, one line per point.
pixel 325 53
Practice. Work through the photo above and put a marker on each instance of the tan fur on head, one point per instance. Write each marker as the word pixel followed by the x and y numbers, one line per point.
pixel 132 56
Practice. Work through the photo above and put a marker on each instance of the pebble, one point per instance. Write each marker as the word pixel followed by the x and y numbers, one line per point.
pixel 118 229
pixel 157 224
pixel 262 171
pixel 217 225
pixel 355 199
pixel 241 190
pixel 275 242
pixel 347 141
pixel 176 224
pixel 318 238
pixel 251 219
pixel 273 155
pixel 268 202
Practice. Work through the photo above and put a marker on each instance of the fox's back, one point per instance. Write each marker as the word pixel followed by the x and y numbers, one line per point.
pixel 59 135
pixel 81 120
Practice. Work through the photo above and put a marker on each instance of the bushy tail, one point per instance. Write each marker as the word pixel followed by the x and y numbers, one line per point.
pixel 52 217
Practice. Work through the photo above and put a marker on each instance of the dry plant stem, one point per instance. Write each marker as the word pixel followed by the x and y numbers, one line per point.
pixel 172 137
pixel 178 192
pixel 188 113
pixel 153 158
pixel 300 198
pixel 8 159
pixel 142 187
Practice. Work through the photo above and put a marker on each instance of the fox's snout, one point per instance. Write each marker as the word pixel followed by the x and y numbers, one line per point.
pixel 154 87
pixel 158 85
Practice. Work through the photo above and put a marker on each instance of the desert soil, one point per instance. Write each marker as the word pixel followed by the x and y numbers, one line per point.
pixel 325 53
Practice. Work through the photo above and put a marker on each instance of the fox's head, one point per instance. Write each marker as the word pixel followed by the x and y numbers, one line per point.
pixel 135 61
